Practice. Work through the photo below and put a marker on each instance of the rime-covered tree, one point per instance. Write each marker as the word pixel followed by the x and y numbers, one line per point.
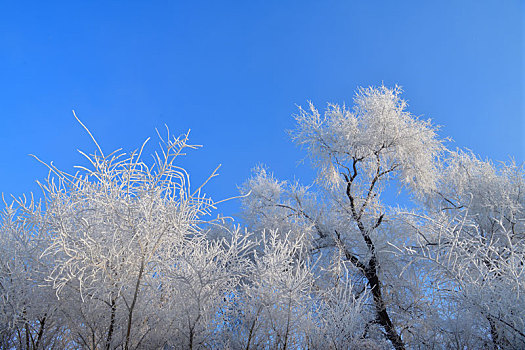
pixel 124 254
pixel 29 311
pixel 465 209
pixel 473 233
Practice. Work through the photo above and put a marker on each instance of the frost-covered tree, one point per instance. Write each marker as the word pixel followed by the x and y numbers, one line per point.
pixel 474 234
pixel 124 252
pixel 274 307
pixel 465 209
pixel 111 227
pixel 29 316
pixel 356 153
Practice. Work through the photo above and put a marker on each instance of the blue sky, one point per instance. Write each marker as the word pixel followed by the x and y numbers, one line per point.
pixel 233 72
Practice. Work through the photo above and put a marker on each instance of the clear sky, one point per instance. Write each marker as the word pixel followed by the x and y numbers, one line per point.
pixel 233 72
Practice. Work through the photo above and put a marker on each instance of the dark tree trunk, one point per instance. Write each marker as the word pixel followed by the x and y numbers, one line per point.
pixel 370 270
pixel 381 313
pixel 111 324
pixel 41 331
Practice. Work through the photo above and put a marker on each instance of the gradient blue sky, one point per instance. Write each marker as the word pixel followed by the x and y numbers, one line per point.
pixel 232 71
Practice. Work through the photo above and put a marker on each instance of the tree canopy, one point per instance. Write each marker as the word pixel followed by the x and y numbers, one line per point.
pixel 125 254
